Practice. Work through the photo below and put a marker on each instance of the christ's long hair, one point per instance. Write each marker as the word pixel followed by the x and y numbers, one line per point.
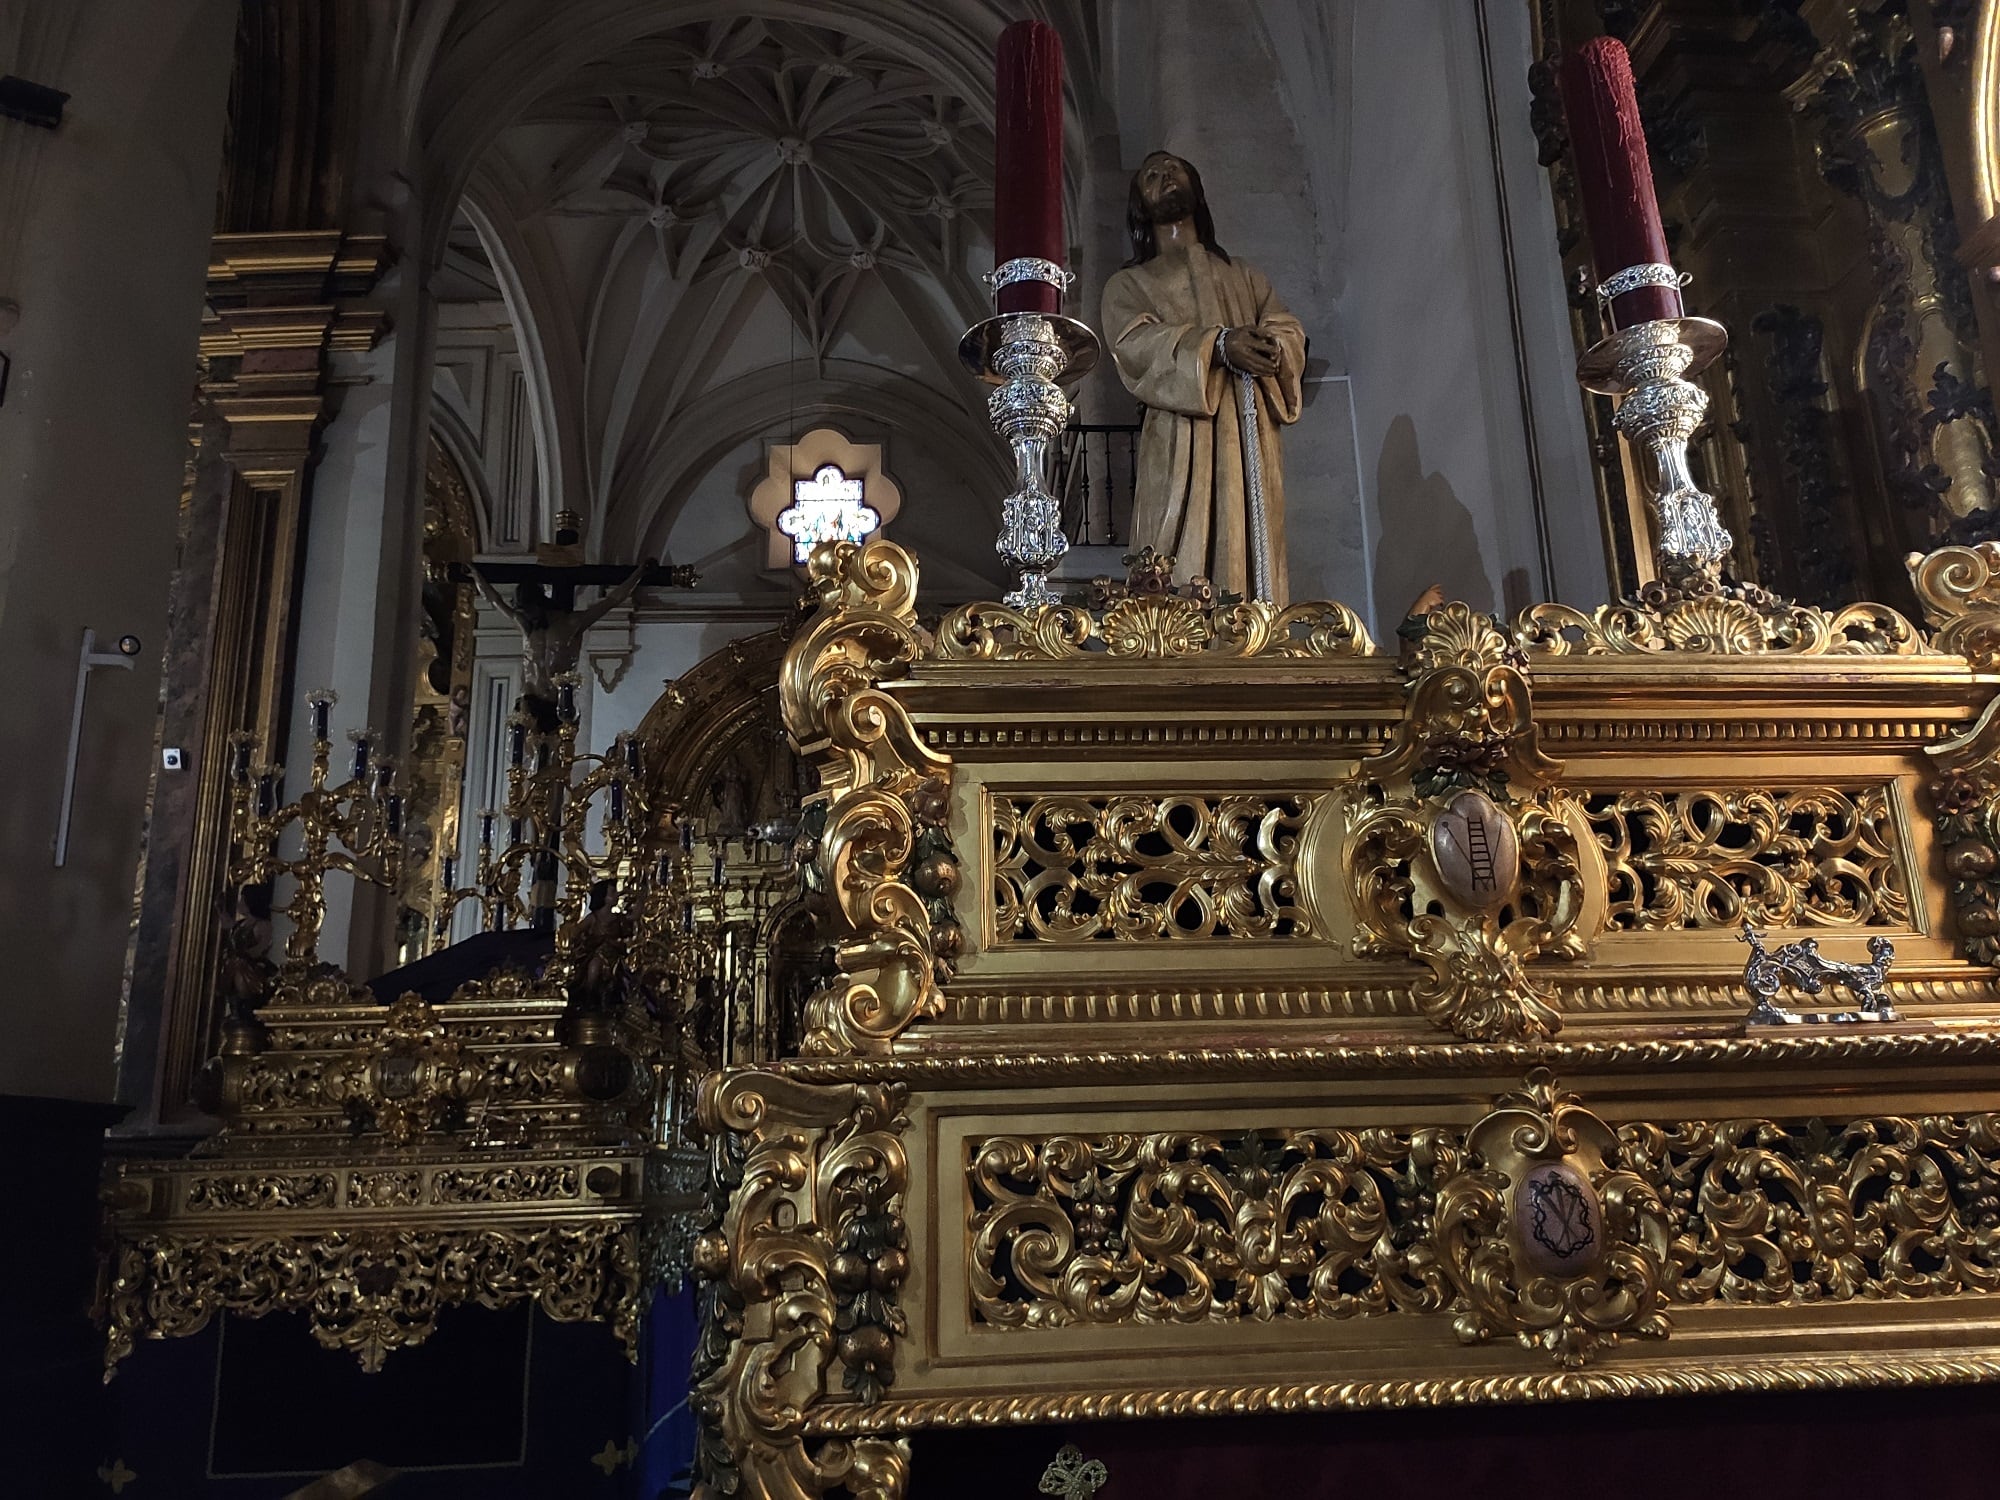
pixel 1139 223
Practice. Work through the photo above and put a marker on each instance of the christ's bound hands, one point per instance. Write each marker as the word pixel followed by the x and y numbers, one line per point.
pixel 1251 351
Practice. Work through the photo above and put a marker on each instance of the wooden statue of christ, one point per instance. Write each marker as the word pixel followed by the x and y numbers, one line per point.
pixel 1214 357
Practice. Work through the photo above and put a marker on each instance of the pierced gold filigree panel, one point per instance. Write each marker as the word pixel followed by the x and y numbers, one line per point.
pixel 1714 857
pixel 1073 868
pixel 1811 1212
pixel 1287 1223
pixel 1189 1228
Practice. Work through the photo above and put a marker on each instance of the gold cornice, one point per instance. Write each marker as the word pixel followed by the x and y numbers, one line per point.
pixel 928 1068
pixel 1797 1374
pixel 266 254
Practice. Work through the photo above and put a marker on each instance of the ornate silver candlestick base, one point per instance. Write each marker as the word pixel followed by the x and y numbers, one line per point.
pixel 1646 364
pixel 1028 358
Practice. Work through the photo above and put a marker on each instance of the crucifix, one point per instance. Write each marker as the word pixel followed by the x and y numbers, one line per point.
pixel 544 610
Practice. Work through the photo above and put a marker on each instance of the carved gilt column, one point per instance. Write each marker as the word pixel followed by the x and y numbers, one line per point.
pixel 278 308
pixel 1919 363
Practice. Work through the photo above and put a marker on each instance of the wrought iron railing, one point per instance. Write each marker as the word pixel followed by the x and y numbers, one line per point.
pixel 1095 469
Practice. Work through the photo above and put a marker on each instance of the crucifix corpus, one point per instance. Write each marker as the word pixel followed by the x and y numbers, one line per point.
pixel 552 628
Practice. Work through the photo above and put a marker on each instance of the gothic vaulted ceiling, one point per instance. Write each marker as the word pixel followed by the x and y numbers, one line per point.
pixel 730 227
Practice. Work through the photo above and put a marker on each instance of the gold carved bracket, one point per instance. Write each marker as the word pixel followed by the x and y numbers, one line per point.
pixel 883 792
pixel 802 1276
pixel 1462 851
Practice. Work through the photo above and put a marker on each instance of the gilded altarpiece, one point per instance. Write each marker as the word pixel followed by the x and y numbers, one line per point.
pixel 1233 1015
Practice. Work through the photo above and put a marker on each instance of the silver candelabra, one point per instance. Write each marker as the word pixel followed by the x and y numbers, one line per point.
pixel 1028 358
pixel 1648 365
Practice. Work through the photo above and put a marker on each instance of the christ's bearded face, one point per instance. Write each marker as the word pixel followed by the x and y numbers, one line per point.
pixel 1165 188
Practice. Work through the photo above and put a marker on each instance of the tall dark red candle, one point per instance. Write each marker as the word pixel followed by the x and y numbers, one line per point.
pixel 1614 176
pixel 1027 191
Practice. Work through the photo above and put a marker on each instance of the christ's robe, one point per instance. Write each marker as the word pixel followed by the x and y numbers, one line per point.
pixel 1191 497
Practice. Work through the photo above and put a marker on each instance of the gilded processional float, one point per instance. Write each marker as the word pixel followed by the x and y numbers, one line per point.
pixel 1236 1015
pixel 1225 1013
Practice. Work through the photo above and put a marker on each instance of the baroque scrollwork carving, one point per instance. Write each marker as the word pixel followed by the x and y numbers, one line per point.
pixel 374 1291
pixel 1710 857
pixel 1155 626
pixel 1462 853
pixel 803 1273
pixel 1196 1227
pixel 884 792
pixel 1546 1237
pixel 1071 868
pixel 1959 588
pixel 1540 1222
pixel 1763 1211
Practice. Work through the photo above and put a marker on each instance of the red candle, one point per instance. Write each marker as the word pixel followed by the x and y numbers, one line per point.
pixel 1027 189
pixel 1614 176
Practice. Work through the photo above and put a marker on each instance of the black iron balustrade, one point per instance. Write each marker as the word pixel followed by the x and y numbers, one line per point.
pixel 1095 468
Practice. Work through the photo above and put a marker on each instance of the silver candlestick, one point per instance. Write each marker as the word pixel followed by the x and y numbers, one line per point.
pixel 1028 358
pixel 1646 364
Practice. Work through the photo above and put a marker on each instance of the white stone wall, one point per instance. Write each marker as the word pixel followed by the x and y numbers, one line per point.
pixel 1355 151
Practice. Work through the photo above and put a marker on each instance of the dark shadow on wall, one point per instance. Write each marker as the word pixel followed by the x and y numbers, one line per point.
pixel 1427 536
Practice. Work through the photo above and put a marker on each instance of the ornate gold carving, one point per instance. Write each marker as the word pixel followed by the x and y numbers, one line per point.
pixel 385 1189
pixel 803 1275
pixel 1712 618
pixel 1070 868
pixel 1152 626
pixel 413 1075
pixel 883 789
pixel 374 1291
pixel 1710 857
pixel 515 1184
pixel 1965 809
pixel 1189 1228
pixel 1959 588
pixel 256 1191
pixel 1470 727
pixel 1763 1211
pixel 1540 1221
pixel 1546 1237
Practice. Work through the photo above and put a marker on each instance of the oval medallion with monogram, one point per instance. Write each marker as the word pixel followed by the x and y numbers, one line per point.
pixel 1558 1221
pixel 1476 852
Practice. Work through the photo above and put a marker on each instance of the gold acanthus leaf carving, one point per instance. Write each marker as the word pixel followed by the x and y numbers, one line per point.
pixel 1710 857
pixel 375 1291
pixel 1073 867
pixel 1194 1227
pixel 1155 627
pixel 1708 617
pixel 882 788
pixel 803 1273
pixel 1959 588
pixel 1766 1212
